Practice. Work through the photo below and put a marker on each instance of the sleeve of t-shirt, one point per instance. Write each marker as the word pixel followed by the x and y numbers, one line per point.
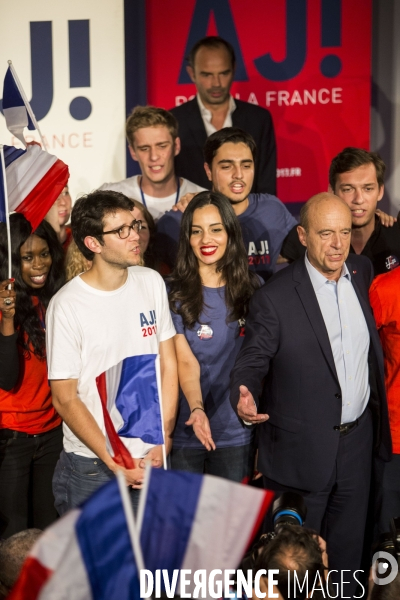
pixel 290 220
pixel 178 322
pixel 376 303
pixel 63 343
pixel 165 324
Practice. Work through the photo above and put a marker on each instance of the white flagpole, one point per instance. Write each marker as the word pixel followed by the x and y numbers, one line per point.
pixel 3 168
pixel 26 102
pixel 130 520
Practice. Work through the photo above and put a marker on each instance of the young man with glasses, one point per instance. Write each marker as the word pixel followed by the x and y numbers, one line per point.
pixel 110 356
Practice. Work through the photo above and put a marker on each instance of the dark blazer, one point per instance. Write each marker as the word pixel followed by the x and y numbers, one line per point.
pixel 286 342
pixel 251 118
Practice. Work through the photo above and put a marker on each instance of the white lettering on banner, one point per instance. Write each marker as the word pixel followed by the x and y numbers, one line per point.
pixel 286 98
pixel 292 172
pixel 59 140
pixel 304 97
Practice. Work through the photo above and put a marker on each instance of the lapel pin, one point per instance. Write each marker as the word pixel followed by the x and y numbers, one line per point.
pixel 354 272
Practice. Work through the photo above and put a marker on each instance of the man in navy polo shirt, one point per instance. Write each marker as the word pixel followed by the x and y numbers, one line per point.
pixel 265 221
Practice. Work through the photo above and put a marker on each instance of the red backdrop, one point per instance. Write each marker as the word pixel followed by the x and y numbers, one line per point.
pixel 315 79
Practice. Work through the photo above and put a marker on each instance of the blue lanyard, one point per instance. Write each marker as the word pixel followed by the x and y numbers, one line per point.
pixel 178 187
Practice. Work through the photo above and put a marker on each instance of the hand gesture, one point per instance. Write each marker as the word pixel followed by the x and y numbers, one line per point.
pixel 247 409
pixel 201 427
pixel 7 305
pixel 183 202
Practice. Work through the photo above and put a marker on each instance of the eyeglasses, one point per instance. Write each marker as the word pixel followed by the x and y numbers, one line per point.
pixel 124 231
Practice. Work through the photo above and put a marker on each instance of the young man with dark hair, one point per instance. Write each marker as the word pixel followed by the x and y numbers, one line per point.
pixel 357 177
pixel 212 68
pixel 110 356
pixel 152 135
pixel 265 221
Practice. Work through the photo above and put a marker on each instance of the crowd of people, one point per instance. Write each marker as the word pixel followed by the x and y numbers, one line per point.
pixel 185 318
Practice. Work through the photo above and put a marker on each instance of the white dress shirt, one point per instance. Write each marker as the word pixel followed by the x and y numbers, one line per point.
pixel 206 115
pixel 349 338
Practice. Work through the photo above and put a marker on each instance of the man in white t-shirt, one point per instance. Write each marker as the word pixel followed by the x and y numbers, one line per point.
pixel 153 140
pixel 111 359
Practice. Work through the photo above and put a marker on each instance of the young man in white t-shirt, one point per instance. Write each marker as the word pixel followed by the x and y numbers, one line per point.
pixel 110 356
pixel 153 140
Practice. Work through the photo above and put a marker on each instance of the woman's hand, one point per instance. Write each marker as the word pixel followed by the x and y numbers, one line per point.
pixel 7 306
pixel 201 427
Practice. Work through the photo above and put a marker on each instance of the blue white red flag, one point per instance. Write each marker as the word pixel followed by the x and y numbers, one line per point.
pixel 131 403
pixel 15 108
pixel 85 555
pixel 35 179
pixel 190 521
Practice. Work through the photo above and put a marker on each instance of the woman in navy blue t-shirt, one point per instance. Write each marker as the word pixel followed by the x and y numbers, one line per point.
pixel 209 292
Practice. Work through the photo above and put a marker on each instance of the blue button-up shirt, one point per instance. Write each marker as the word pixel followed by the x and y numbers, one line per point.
pixel 349 337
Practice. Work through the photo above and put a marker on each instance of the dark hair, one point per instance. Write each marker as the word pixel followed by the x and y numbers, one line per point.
pixel 223 136
pixel 351 158
pixel 149 256
pixel 389 591
pixel 296 549
pixel 213 42
pixel 28 324
pixel 186 294
pixel 88 214
pixel 13 552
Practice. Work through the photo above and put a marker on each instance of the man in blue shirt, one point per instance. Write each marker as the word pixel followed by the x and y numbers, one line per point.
pixel 265 221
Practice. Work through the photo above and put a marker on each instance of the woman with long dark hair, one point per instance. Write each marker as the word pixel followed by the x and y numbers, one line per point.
pixel 209 292
pixel 30 428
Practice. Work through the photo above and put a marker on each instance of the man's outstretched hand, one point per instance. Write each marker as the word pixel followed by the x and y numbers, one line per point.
pixel 247 409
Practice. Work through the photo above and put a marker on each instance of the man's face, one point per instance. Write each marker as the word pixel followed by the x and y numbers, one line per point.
pixel 232 171
pixel 155 150
pixel 63 204
pixel 328 237
pixel 213 75
pixel 360 190
pixel 114 251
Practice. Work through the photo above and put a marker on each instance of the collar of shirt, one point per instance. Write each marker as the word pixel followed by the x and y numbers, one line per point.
pixel 317 279
pixel 206 115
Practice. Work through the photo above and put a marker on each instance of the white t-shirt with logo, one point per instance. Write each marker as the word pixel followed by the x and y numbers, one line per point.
pixel 89 331
pixel 156 206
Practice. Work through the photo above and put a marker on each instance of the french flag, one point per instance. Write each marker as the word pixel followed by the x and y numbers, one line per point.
pixel 85 555
pixel 15 109
pixel 191 521
pixel 35 179
pixel 131 404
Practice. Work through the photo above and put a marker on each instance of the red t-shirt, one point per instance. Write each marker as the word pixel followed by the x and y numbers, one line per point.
pixel 385 301
pixel 28 407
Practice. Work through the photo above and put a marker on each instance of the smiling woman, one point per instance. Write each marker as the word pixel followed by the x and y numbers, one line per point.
pixel 210 289
pixel 30 428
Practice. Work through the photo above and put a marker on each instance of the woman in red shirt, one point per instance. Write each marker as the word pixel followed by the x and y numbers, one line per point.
pixel 30 428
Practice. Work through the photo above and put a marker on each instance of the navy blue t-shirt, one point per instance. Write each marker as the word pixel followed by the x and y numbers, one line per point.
pixel 215 343
pixel 265 224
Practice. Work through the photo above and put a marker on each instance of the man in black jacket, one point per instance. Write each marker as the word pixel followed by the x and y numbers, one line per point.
pixel 311 344
pixel 212 68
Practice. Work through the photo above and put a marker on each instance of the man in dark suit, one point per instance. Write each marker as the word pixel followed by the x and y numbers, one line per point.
pixel 212 68
pixel 312 342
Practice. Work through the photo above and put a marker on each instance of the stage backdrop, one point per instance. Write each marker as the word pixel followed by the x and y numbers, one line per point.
pixel 307 61
pixel 86 63
pixel 69 57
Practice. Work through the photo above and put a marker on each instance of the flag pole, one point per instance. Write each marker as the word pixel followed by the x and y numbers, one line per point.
pixel 26 102
pixel 3 168
pixel 130 520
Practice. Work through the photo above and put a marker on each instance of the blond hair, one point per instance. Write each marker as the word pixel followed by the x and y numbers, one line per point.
pixel 75 262
pixel 150 116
